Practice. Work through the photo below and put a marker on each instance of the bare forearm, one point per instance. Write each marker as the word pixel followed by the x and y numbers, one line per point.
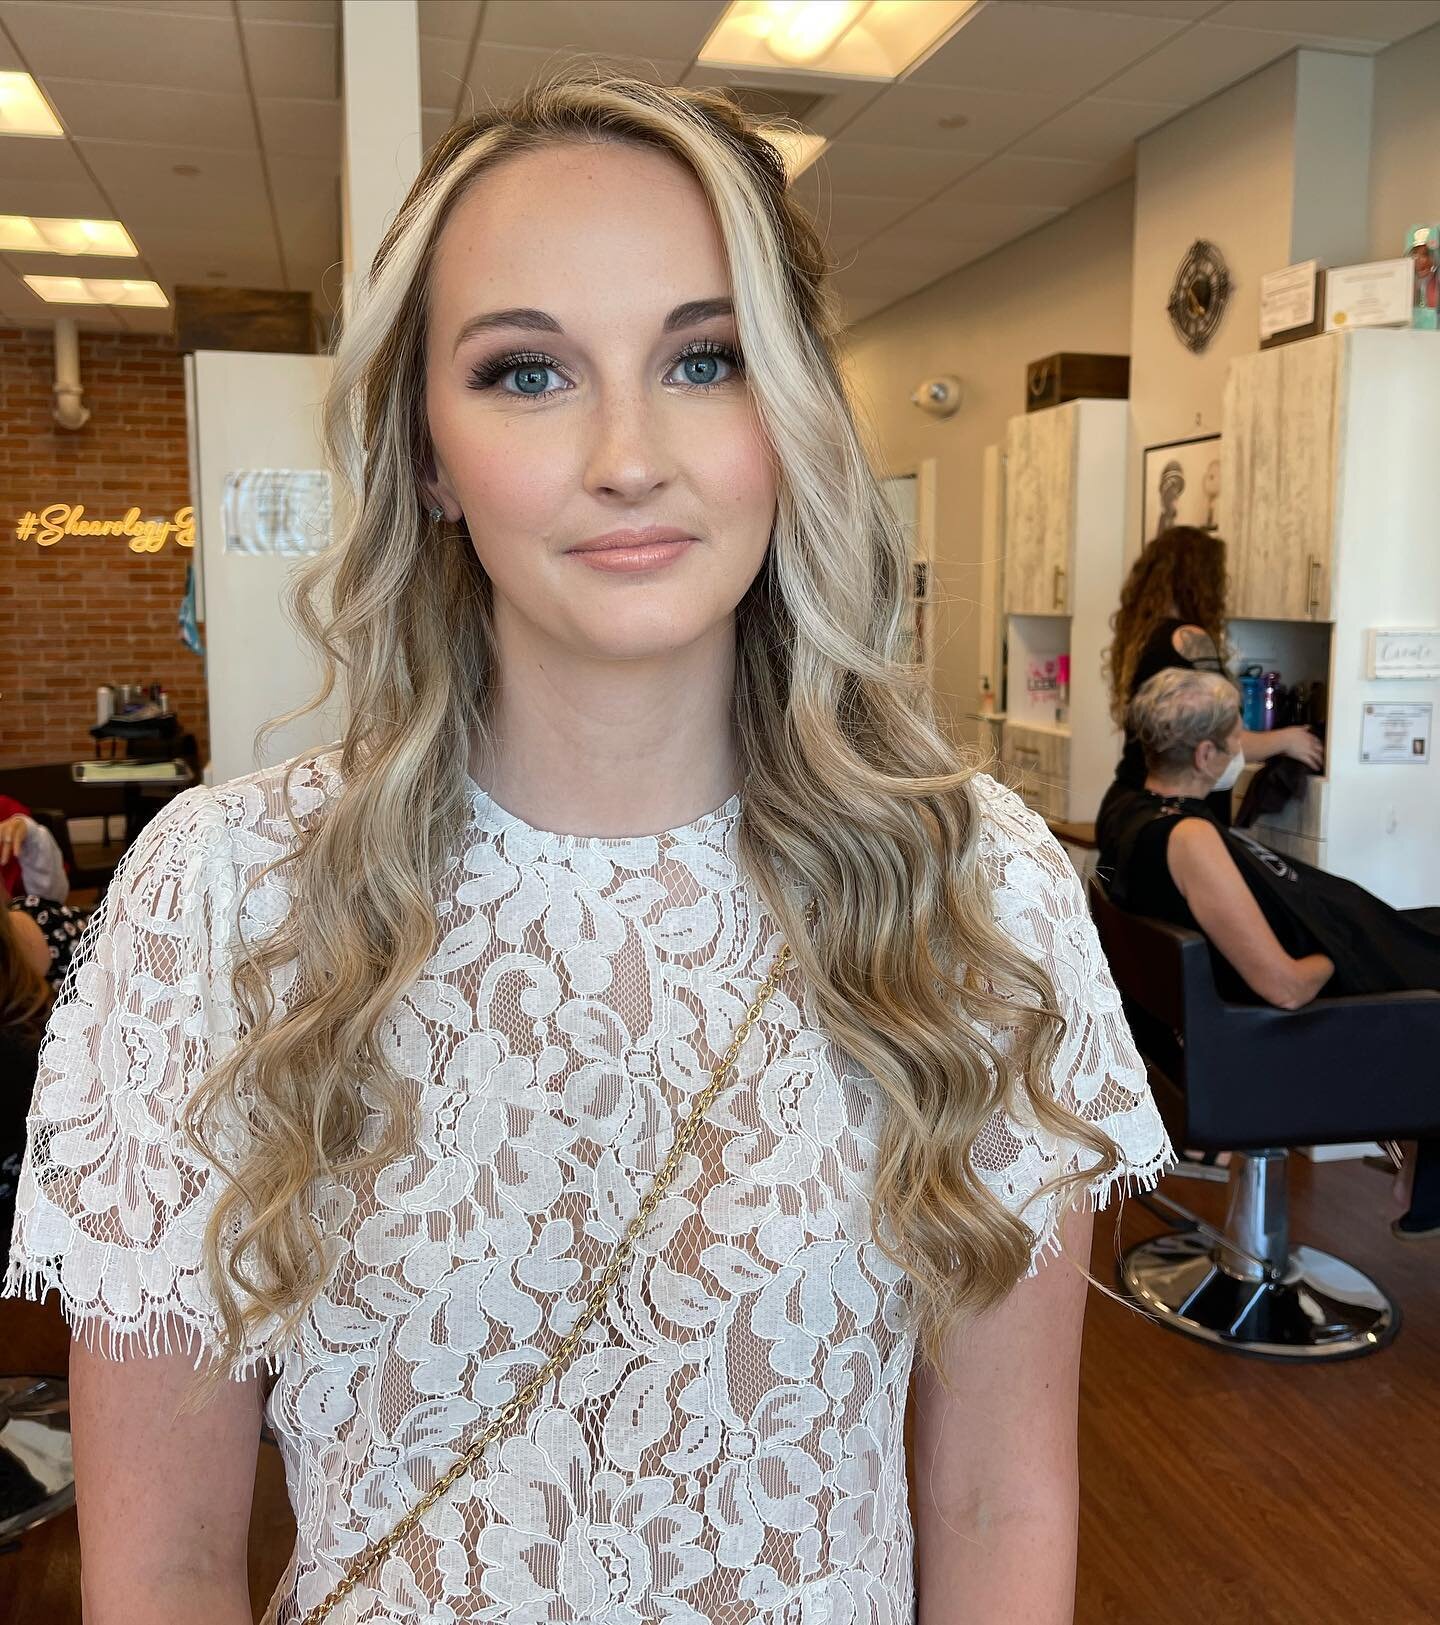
pixel 975 1570
pixel 174 1602
pixel 1261 746
pixel 1308 976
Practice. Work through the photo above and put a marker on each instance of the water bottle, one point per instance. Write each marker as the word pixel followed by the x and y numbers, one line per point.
pixel 1252 698
pixel 1271 697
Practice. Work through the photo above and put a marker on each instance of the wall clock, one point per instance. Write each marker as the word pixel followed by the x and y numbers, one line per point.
pixel 1200 294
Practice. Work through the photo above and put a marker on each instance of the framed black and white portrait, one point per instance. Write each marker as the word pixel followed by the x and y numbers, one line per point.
pixel 1182 485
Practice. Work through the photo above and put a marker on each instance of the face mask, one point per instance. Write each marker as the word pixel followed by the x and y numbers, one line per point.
pixel 1232 771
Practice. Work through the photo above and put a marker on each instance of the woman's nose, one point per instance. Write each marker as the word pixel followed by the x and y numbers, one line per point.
pixel 627 453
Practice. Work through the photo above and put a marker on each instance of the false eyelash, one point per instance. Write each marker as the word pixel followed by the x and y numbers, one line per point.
pixel 488 373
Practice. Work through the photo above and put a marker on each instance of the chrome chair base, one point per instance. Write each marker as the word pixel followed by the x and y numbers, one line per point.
pixel 1317 1308
pixel 37 1476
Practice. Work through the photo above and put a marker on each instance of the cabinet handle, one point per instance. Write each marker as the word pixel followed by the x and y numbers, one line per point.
pixel 1312 603
pixel 1058 591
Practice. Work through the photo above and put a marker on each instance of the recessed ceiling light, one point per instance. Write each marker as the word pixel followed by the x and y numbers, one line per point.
pixel 23 108
pixel 33 234
pixel 845 38
pixel 89 290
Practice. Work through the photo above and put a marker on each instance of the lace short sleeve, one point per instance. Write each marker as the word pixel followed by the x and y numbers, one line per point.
pixel 112 1199
pixel 1097 1072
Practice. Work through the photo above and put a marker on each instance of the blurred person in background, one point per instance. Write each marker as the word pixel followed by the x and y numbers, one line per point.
pixel 31 863
pixel 1281 930
pixel 25 1000
pixel 1172 613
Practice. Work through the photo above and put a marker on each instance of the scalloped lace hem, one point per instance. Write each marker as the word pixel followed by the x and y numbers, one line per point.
pixel 111 1336
pixel 1128 1180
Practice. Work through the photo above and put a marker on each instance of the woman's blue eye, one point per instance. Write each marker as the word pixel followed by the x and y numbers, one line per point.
pixel 704 356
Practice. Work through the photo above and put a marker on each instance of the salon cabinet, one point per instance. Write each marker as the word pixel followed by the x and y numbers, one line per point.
pixel 1331 485
pixel 1040 473
pixel 1281 455
pixel 1063 476
pixel 1037 763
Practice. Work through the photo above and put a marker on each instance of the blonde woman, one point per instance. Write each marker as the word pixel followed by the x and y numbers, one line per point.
pixel 567 1105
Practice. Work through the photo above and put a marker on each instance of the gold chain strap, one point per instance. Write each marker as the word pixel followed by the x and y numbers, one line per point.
pixel 525 1397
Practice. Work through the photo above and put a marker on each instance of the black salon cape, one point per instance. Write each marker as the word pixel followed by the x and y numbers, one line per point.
pixel 1375 948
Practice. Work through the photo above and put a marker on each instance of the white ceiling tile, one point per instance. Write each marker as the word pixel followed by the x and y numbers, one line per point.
pixel 1200 63
pixel 126 45
pixel 1095 128
pixel 1038 49
pixel 854 311
pixel 673 28
pixel 1183 10
pixel 1379 22
pixel 908 115
pixel 449 19
pixel 499 72
pixel 68 199
pixel 301 129
pixel 904 257
pixel 228 194
pixel 293 11
pixel 442 71
pixel 434 121
pixel 851 212
pixel 307 204
pixel 293 59
pixel 951 220
pixel 33 159
pixel 1056 182
pixel 919 172
pixel 256 266
pixel 137 319
pixel 172 8
pixel 860 281
pixel 100 109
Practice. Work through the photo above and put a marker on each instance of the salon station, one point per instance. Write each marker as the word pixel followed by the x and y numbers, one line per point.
pixel 1141 303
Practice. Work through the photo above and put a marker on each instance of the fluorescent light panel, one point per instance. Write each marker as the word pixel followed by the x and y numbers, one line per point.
pixel 32 234
pixel 799 148
pixel 87 290
pixel 856 39
pixel 23 108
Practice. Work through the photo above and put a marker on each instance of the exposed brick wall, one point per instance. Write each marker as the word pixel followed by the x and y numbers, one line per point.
pixel 87 610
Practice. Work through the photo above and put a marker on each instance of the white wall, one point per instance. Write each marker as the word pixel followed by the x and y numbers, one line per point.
pixel 1064 287
pixel 1404 174
pixel 1221 171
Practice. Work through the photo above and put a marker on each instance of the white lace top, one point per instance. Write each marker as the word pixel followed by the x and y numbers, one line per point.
pixel 727 1445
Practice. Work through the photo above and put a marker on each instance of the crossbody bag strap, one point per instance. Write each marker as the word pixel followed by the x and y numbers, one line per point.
pixel 524 1398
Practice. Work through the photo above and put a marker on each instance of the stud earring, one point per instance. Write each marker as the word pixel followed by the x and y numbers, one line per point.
pixel 437 513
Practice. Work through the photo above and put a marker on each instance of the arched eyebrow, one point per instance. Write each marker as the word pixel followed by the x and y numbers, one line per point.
pixel 692 312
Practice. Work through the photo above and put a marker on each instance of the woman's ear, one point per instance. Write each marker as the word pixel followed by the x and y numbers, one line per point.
pixel 436 491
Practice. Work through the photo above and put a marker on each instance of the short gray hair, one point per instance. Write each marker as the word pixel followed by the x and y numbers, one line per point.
pixel 1177 710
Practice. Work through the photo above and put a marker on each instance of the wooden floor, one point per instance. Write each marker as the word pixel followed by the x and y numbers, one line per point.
pixel 1217 1490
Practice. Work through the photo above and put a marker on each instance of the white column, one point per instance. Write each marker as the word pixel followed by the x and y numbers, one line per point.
pixel 381 154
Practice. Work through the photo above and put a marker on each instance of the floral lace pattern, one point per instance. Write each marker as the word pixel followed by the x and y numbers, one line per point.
pixel 727 1444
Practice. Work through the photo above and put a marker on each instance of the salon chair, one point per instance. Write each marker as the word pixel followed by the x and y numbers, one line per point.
pixel 1255 1081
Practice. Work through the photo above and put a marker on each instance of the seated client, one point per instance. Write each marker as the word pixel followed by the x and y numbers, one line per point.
pixel 1280 930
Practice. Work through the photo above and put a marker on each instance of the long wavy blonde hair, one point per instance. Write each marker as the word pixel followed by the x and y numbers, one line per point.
pixel 849 783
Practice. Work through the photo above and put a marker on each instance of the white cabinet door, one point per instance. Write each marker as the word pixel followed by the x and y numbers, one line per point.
pixel 1040 511
pixel 1278 474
